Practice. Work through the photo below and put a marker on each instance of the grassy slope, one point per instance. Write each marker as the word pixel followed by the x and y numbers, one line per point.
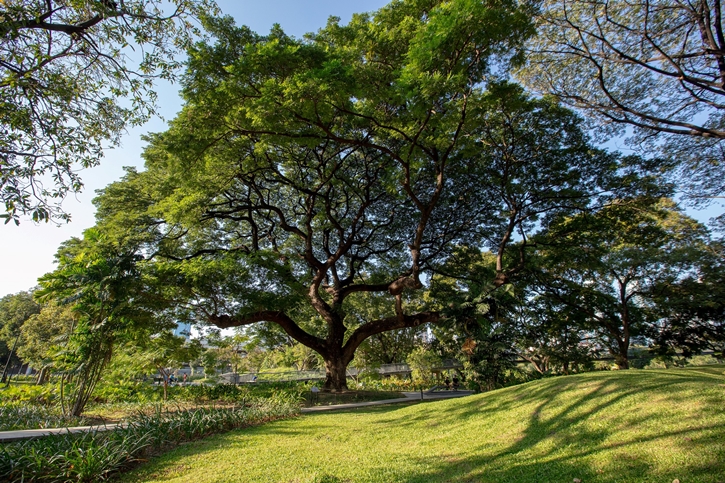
pixel 633 426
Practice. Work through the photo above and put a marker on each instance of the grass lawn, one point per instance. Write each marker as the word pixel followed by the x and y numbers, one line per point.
pixel 628 426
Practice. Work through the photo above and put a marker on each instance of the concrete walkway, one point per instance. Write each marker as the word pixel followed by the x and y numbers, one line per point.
pixel 22 434
pixel 410 397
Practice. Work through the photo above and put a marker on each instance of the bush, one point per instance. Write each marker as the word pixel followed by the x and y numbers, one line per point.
pixel 392 384
pixel 218 392
pixel 124 391
pixel 47 394
pixel 703 360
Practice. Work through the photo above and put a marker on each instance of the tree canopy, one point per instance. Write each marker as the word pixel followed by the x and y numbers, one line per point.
pixel 655 69
pixel 606 268
pixel 303 173
pixel 73 75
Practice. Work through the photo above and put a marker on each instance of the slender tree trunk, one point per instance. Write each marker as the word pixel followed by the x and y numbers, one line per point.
pixel 165 379
pixel 622 358
pixel 621 351
pixel 42 376
pixel 7 363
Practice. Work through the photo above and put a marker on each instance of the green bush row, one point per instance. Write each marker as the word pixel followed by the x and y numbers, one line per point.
pixel 143 392
pixel 94 456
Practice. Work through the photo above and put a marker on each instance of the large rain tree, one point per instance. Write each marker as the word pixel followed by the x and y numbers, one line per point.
pixel 302 174
pixel 74 74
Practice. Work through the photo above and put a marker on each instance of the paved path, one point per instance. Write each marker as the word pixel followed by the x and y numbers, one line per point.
pixel 19 435
pixel 409 397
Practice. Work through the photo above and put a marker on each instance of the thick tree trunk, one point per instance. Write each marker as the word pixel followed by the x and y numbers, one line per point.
pixel 622 359
pixel 336 374
pixel 621 353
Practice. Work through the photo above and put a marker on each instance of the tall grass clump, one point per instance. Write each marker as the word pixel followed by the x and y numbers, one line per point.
pixel 15 416
pixel 94 456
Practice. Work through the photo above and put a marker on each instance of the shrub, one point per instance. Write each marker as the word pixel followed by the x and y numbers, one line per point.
pixel 123 391
pixel 387 384
pixel 45 395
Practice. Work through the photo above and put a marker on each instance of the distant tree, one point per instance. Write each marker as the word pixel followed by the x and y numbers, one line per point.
pixel 231 349
pixel 603 267
pixel 165 352
pixel 657 67
pixel 391 347
pixel 386 347
pixel 423 362
pixel 690 310
pixel 44 334
pixel 551 336
pixel 15 310
pixel 73 76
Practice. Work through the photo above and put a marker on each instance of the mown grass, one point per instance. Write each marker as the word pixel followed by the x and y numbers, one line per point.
pixel 629 426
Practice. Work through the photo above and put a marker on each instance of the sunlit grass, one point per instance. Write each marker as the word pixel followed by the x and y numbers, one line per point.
pixel 629 426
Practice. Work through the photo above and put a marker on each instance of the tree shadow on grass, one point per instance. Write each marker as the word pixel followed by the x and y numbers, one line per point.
pixel 564 445
pixel 552 439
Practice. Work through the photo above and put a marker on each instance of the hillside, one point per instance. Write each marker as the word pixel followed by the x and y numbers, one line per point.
pixel 629 426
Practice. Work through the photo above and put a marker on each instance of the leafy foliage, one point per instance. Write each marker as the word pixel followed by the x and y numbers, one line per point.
pixel 104 288
pixel 305 178
pixel 74 74
pixel 601 270
pixel 652 66
pixel 15 309
pixel 44 335
pixel 25 415
pixel 302 173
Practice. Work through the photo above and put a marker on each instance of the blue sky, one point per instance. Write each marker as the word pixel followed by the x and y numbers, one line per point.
pixel 27 250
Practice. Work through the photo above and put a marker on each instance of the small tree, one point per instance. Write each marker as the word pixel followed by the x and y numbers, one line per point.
pixel 210 363
pixel 96 280
pixel 422 361
pixel 165 351
pixel 44 335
